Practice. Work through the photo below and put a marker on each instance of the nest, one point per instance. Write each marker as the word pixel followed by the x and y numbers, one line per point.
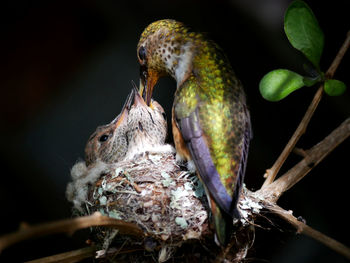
pixel 152 191
pixel 162 198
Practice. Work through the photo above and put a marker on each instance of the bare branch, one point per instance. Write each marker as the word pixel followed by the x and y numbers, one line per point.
pixel 68 226
pixel 333 67
pixel 302 228
pixel 272 172
pixel 314 156
pixel 71 256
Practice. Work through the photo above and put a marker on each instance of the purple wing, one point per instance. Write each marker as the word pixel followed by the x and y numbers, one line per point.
pixel 193 135
pixel 247 136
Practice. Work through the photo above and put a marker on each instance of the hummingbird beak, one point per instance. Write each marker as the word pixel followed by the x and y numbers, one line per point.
pixel 143 79
pixel 149 79
pixel 125 110
pixel 138 100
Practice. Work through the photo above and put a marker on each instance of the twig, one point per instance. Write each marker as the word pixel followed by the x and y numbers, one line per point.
pixel 80 254
pixel 314 156
pixel 333 67
pixel 69 226
pixel 272 172
pixel 300 152
pixel 302 228
pixel 71 256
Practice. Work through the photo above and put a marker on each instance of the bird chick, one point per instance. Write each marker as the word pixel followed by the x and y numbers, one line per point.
pixel 109 143
pixel 146 128
pixel 137 129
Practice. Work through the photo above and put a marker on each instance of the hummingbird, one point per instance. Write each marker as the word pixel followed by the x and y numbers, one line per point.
pixel 146 128
pixel 109 142
pixel 138 128
pixel 210 119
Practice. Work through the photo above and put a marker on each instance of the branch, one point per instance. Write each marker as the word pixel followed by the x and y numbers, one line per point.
pixel 314 156
pixel 333 67
pixel 272 172
pixel 302 228
pixel 68 226
pixel 71 256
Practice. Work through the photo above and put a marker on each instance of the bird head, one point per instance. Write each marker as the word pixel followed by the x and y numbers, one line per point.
pixel 109 142
pixel 136 129
pixel 147 126
pixel 165 49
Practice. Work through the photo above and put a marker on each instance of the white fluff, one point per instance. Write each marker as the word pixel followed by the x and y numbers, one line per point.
pixel 77 190
pixel 159 149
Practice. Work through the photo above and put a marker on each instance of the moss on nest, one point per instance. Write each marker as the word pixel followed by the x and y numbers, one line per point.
pixel 163 199
pixel 153 192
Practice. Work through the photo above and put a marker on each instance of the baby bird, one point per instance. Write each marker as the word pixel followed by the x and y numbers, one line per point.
pixel 146 128
pixel 109 142
pixel 137 129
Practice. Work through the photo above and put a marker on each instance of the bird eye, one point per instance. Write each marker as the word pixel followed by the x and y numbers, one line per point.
pixel 103 138
pixel 142 53
pixel 140 126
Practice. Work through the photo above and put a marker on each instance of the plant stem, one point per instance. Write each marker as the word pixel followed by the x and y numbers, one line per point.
pixel 71 256
pixel 302 228
pixel 314 156
pixel 333 67
pixel 68 226
pixel 272 172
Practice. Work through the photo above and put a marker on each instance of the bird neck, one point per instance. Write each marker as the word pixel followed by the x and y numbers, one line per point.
pixel 201 58
pixel 184 63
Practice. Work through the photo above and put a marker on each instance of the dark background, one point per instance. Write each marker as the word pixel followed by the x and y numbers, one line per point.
pixel 67 66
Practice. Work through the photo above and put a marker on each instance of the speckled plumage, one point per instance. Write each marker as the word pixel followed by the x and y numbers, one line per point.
pixel 138 128
pixel 108 143
pixel 209 104
pixel 147 128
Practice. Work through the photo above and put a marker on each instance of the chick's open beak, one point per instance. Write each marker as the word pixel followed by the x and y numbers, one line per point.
pixel 138 100
pixel 125 110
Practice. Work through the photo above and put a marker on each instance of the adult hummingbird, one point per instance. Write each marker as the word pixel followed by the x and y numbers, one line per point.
pixel 210 119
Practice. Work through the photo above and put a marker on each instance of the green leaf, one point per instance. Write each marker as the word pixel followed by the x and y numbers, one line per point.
pixel 334 87
pixel 279 83
pixel 303 31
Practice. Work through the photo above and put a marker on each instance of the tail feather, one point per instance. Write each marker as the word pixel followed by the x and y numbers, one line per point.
pixel 222 223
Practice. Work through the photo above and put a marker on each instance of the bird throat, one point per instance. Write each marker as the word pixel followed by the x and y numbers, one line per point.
pixel 184 63
pixel 176 57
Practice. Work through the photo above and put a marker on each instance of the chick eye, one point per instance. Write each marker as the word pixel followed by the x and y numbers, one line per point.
pixel 142 53
pixel 103 138
pixel 140 126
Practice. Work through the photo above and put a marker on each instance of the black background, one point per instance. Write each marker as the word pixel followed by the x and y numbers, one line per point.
pixel 66 68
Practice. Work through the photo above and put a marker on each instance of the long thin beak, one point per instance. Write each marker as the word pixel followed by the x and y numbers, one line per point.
pixel 138 100
pixel 143 81
pixel 125 110
pixel 148 81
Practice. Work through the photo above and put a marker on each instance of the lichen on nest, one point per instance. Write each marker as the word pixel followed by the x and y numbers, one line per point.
pixel 152 191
